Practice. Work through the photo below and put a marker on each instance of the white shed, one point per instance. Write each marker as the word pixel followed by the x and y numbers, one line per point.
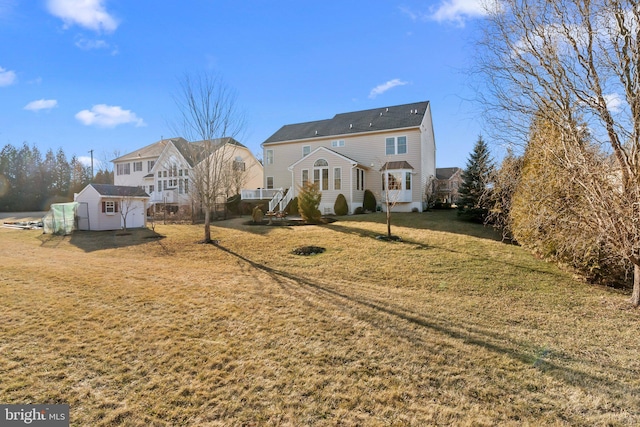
pixel 111 207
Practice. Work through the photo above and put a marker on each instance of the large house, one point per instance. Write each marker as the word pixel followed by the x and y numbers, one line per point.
pixel 165 170
pixel 449 181
pixel 389 151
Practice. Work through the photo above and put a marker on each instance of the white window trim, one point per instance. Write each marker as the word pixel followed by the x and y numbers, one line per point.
pixel 306 150
pixel 109 207
pixel 268 157
pixel 339 169
pixel 395 145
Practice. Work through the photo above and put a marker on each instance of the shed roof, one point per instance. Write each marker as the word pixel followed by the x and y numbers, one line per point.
pixel 119 190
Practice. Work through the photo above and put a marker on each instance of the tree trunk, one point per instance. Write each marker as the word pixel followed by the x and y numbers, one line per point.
pixel 388 221
pixel 635 295
pixel 207 226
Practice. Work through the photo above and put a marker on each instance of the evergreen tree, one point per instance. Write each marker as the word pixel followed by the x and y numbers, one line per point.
pixel 308 202
pixel 474 198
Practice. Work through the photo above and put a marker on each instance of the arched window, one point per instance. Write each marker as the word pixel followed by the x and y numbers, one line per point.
pixel 321 174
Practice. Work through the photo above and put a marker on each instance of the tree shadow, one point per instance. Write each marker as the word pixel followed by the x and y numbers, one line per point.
pixel 378 312
pixel 443 220
pixel 91 241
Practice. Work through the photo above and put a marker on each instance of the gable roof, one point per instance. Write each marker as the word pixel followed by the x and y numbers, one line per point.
pixel 335 153
pixel 195 152
pixel 446 173
pixel 119 190
pixel 377 119
pixel 151 150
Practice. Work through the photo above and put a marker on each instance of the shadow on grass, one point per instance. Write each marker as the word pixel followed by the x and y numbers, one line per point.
pixel 365 233
pixel 436 220
pixel 91 241
pixel 378 312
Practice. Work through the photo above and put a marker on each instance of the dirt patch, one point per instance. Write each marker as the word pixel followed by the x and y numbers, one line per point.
pixel 308 250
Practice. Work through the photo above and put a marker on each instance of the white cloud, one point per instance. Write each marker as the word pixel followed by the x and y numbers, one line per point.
pixel 90 14
pixel 614 102
pixel 7 77
pixel 457 11
pixel 108 116
pixel 41 104
pixel 88 44
pixel 380 89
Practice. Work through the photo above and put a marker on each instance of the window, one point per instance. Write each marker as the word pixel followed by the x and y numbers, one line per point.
pixel 151 189
pixel 164 184
pixel 338 143
pixel 181 186
pixel 396 145
pixel 359 179
pixel 159 185
pixel 268 157
pixel 305 177
pixel 397 185
pixel 269 182
pixel 124 169
pixel 109 207
pixel 306 149
pixel 321 174
pixel 159 174
pixel 179 172
pixel 137 166
pixel 150 165
pixel 186 185
pixel 337 178
pixel 238 164
pixel 164 174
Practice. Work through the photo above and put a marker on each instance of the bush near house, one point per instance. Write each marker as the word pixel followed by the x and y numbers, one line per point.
pixel 308 203
pixel 369 203
pixel 340 207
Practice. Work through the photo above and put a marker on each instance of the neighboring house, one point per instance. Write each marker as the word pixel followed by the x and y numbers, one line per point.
pixel 353 152
pixel 448 182
pixel 164 170
pixel 107 207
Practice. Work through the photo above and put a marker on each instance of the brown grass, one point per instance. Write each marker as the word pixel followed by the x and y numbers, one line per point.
pixel 449 327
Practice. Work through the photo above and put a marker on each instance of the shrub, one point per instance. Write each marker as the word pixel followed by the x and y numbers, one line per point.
pixel 292 206
pixel 369 203
pixel 340 207
pixel 358 211
pixel 257 214
pixel 308 203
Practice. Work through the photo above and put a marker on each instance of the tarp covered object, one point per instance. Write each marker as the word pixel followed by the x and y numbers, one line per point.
pixel 61 218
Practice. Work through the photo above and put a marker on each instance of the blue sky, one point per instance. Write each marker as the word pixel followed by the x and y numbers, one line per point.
pixel 101 75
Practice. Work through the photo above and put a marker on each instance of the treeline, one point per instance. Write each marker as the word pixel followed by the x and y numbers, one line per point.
pixel 31 181
pixel 539 200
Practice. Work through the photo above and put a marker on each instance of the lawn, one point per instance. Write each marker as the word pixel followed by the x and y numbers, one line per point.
pixel 449 327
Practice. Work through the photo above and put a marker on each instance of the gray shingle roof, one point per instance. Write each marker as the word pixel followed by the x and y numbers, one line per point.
pixel 377 119
pixel 119 190
pixel 194 152
pixel 446 173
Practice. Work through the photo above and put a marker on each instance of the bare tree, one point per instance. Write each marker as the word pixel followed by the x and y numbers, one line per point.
pixel 572 62
pixel 210 120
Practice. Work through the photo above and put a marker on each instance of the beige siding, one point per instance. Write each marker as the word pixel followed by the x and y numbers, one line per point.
pixel 366 149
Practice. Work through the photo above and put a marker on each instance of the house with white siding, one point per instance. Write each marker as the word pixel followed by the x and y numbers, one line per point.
pixel 389 151
pixel 165 169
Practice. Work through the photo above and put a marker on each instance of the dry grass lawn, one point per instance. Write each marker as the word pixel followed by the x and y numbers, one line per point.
pixel 449 327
